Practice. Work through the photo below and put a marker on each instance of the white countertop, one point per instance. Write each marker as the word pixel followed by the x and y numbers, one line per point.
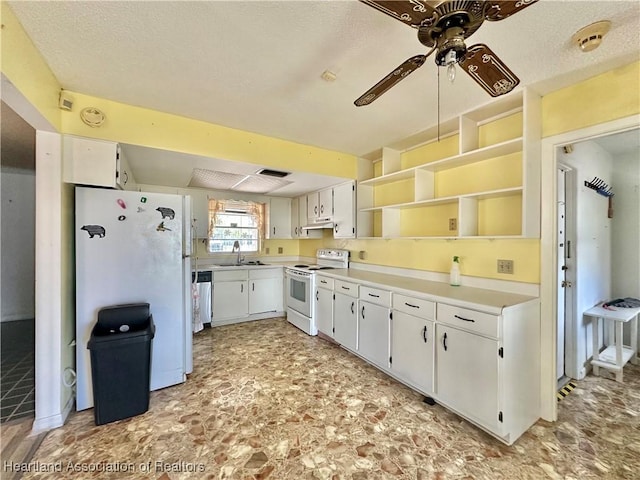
pixel 492 301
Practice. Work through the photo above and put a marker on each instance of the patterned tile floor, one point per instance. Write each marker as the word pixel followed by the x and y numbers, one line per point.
pixel 17 397
pixel 267 401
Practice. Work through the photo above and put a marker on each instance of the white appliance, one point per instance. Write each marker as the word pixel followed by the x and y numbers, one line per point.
pixel 134 247
pixel 301 283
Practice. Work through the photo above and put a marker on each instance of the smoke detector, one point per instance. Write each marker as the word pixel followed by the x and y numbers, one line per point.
pixel 590 37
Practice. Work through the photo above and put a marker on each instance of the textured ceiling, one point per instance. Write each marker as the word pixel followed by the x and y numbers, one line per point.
pixel 256 66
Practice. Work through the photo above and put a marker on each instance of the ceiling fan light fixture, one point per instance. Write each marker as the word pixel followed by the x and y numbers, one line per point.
pixel 590 37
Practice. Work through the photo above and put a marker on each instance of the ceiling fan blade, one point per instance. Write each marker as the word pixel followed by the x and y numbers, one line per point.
pixel 411 12
pixel 499 10
pixel 390 80
pixel 488 70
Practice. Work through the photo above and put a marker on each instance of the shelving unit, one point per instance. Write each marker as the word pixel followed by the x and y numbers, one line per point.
pixel 489 187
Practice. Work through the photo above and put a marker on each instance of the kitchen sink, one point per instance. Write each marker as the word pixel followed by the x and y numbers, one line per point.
pixel 251 263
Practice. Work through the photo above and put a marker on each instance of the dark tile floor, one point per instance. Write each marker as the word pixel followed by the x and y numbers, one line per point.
pixel 17 391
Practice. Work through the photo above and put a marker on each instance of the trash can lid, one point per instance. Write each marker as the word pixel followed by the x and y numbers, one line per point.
pixel 124 318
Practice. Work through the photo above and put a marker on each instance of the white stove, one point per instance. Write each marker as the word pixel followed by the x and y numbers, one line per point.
pixel 301 283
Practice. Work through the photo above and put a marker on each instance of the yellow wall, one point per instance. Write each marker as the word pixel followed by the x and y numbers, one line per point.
pixel 23 65
pixel 141 126
pixel 611 95
pixel 289 248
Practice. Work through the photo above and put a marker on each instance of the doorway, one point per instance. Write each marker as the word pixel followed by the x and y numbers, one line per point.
pixel 589 284
pixel 17 323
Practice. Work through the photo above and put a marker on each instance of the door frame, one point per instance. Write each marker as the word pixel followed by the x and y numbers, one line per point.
pixel 548 251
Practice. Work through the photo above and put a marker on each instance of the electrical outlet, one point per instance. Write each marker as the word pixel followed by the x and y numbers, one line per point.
pixel 266 250
pixel 453 224
pixel 505 266
pixel 280 250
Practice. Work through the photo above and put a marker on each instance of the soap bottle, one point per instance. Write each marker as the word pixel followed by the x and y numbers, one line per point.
pixel 455 272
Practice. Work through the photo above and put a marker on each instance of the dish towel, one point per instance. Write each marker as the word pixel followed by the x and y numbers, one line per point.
pixel 196 320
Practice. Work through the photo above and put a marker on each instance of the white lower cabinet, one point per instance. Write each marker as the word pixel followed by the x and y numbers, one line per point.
pixel 373 333
pixel 265 290
pixel 324 305
pixel 412 350
pixel 467 374
pixel 345 322
pixel 230 299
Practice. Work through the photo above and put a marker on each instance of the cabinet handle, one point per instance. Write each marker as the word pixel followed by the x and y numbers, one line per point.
pixel 412 306
pixel 126 177
pixel 253 286
pixel 296 230
pixel 345 288
pixel 323 281
pixel 321 208
pixel 315 209
pixel 241 287
pixel 335 229
pixel 465 319
pixel 363 312
pixel 374 296
pixel 353 304
pixel 444 341
pixel 274 230
pixel 317 293
pixel 424 334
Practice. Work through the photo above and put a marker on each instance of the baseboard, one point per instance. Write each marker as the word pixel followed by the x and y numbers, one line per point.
pixel 41 425
pixel 250 318
pixel 17 317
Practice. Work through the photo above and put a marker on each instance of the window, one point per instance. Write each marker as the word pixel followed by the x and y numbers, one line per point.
pixel 233 221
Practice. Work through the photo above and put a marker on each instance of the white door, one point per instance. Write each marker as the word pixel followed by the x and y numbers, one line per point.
pixel 467 373
pixel 346 321
pixel 324 310
pixel 344 210
pixel 561 256
pixel 230 300
pixel 412 350
pixel 373 333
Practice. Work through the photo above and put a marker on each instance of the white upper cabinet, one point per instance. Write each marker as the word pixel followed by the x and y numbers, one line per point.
pixel 344 210
pixel 278 218
pixel 87 161
pixel 302 220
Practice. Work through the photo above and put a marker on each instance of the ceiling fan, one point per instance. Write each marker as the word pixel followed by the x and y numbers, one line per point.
pixel 443 27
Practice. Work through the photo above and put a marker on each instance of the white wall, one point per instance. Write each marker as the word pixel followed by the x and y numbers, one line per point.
pixel 18 244
pixel 591 246
pixel 625 280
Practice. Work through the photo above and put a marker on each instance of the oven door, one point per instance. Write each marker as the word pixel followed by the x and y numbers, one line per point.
pixel 299 291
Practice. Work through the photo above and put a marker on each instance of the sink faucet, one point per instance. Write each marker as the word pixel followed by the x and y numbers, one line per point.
pixel 236 245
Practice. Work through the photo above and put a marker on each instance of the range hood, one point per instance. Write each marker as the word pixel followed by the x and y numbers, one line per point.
pixel 322 223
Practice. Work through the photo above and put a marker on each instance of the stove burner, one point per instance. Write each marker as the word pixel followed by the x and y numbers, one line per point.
pixel 301 266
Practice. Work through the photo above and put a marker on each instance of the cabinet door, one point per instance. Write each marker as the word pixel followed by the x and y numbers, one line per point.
pixel 324 310
pixel 325 203
pixel 412 350
pixel 230 300
pixel 467 374
pixel 90 162
pixel 303 220
pixel 313 207
pixel 265 295
pixel 200 212
pixel 344 211
pixel 345 321
pixel 124 174
pixel 279 222
pixel 295 217
pixel 373 333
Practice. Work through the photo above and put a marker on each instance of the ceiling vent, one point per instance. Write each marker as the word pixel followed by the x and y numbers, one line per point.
pixel 273 173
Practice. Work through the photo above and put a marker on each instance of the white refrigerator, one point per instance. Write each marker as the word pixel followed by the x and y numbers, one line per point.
pixel 134 247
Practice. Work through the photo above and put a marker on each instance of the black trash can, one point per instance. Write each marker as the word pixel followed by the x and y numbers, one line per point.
pixel 120 347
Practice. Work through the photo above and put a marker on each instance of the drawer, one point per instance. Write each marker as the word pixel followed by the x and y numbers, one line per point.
pixel 375 295
pixel 230 275
pixel 325 282
pixel 347 288
pixel 483 323
pixel 414 306
pixel 265 273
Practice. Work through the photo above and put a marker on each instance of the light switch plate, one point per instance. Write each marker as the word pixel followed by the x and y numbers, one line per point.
pixel 453 224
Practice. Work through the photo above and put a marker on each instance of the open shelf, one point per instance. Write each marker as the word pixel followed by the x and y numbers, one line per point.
pixel 508 126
